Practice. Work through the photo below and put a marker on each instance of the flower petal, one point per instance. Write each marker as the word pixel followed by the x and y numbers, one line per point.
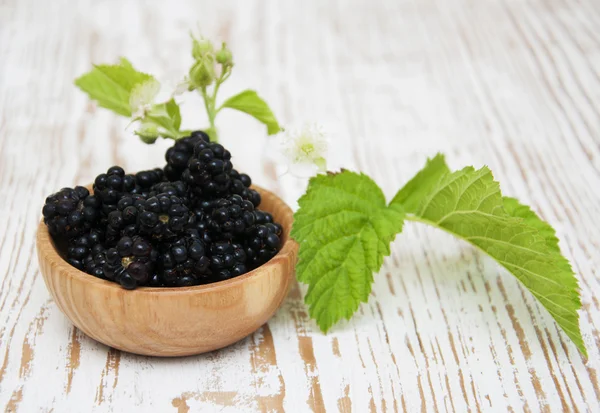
pixel 143 94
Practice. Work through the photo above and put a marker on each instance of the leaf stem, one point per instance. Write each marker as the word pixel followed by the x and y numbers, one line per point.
pixel 414 218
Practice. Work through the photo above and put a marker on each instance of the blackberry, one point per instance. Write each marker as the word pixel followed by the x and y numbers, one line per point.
pixel 275 228
pixel 95 262
pixel 145 180
pixel 123 220
pixel 70 212
pixel 227 260
pixel 263 243
pixel 200 223
pixel 208 171
pixel 240 185
pixel 111 186
pixel 262 217
pixel 163 216
pixel 79 248
pixel 155 280
pixel 176 188
pixel 231 216
pixel 252 196
pixel 244 179
pixel 179 154
pixel 184 261
pixel 131 262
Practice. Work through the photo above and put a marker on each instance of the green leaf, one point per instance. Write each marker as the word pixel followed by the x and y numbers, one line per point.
pixel 516 209
pixel 174 113
pixel 412 193
pixel 167 117
pixel 111 85
pixel 125 62
pixel 468 204
pixel 344 229
pixel 249 102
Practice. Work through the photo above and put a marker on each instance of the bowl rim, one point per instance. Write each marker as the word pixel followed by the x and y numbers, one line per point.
pixel 50 254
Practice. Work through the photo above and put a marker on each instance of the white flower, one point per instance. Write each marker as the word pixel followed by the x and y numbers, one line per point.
pixel 181 87
pixel 142 96
pixel 305 149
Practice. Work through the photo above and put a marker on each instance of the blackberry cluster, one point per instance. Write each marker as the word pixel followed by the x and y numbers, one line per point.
pixel 124 219
pixel 240 185
pixel 228 260
pixel 185 261
pixel 85 246
pixel 209 170
pixel 195 221
pixel 178 155
pixel 231 217
pixel 112 186
pixel 163 216
pixel 145 181
pixel 263 243
pixel 71 212
pixel 131 262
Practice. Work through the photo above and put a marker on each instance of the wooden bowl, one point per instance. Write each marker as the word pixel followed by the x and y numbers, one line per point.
pixel 172 321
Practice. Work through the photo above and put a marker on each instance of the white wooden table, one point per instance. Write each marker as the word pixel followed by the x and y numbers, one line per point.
pixel 513 84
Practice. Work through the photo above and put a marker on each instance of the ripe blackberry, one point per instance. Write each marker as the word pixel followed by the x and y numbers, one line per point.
pixel 227 260
pixel 111 186
pixel 145 180
pixel 179 154
pixel 184 261
pixel 175 188
pixel 263 217
pixel 200 222
pixel 263 243
pixel 252 196
pixel 131 262
pixel 79 248
pixel 244 179
pixel 123 220
pixel 230 216
pixel 208 171
pixel 275 228
pixel 94 262
pixel 163 216
pixel 70 212
pixel 240 185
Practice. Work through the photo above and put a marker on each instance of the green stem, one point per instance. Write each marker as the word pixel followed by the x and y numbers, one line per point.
pixel 223 78
pixel 209 104
pixel 218 83
pixel 167 135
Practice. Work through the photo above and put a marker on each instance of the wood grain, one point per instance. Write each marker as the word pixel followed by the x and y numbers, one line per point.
pixel 514 84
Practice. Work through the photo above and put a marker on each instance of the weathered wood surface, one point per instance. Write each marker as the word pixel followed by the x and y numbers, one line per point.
pixel 508 83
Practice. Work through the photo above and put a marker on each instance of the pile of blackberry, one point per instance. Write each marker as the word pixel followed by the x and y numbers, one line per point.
pixel 195 221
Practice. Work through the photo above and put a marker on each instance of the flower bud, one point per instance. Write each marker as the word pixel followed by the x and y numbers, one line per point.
pixel 201 48
pixel 202 73
pixel 148 132
pixel 224 56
